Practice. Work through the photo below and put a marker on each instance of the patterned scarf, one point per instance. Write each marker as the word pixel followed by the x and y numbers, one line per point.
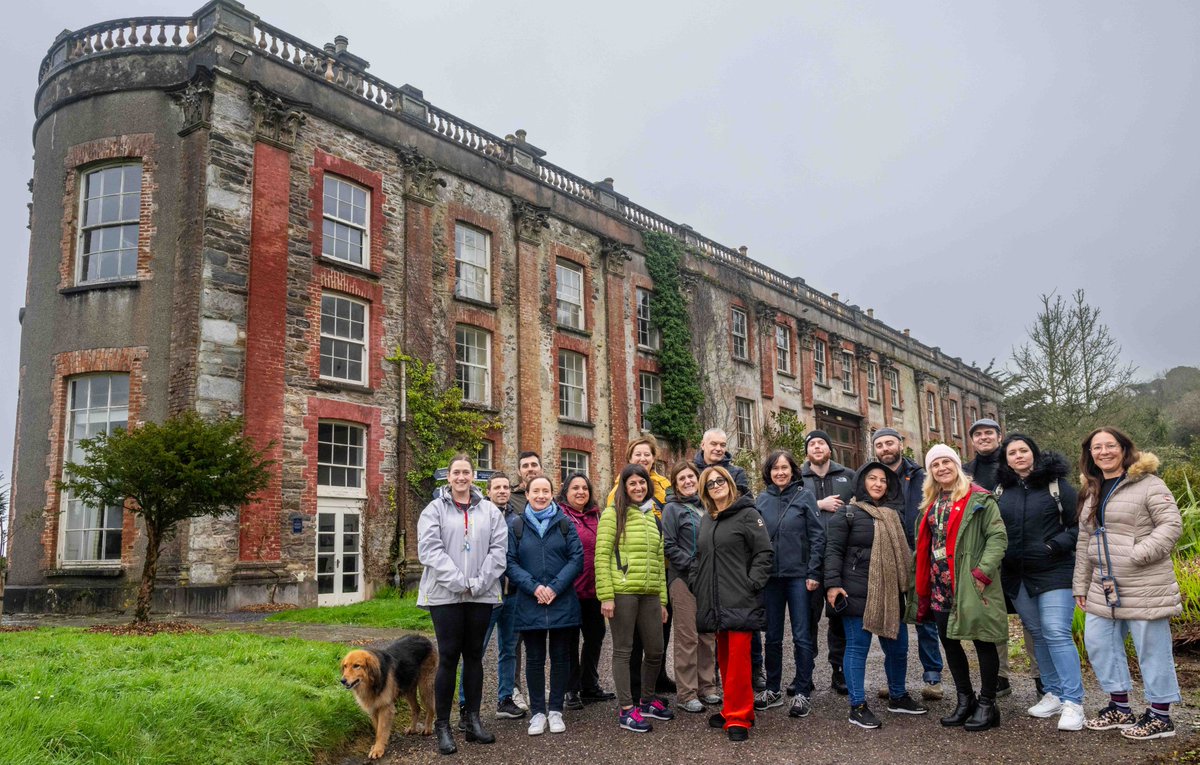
pixel 890 574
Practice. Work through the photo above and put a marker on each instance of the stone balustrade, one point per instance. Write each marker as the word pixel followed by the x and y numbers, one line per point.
pixel 140 32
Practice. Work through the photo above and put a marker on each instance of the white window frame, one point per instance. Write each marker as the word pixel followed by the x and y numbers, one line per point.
pixel 872 381
pixel 931 409
pixel 783 348
pixel 573 461
pixel 847 372
pixel 953 417
pixel 334 338
pixel 70 439
pixel 820 369
pixel 740 334
pixel 121 222
pixel 894 381
pixel 569 308
pixel 463 365
pixel 648 335
pixel 649 394
pixel 331 489
pixel 485 460
pixel 744 418
pixel 572 391
pixel 478 266
pixel 331 214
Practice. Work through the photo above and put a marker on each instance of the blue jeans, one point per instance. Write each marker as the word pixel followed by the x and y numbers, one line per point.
pixel 895 660
pixel 506 648
pixel 788 593
pixel 1048 619
pixel 929 649
pixel 1105 641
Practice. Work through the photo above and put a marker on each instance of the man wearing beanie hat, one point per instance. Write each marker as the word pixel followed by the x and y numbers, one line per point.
pixel 889 449
pixel 985 437
pixel 833 485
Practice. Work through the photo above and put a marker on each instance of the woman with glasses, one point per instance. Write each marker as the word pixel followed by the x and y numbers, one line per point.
pixel 733 563
pixel 1125 580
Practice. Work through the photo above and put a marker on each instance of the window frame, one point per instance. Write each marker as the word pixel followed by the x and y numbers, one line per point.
pixel 738 404
pixel 872 381
pixel 460 363
pixel 645 321
pixel 365 364
pixel 643 403
pixel 567 406
pixel 743 337
pixel 485 459
pixel 783 352
pixel 893 376
pixel 65 499
pixel 364 228
pixel 460 230
pixel 820 362
pixel 576 454
pixel 576 270
pixel 82 229
pixel 848 386
pixel 954 418
pixel 331 490
pixel 931 409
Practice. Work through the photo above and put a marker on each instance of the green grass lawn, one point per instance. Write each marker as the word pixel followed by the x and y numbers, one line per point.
pixel 71 697
pixel 386 610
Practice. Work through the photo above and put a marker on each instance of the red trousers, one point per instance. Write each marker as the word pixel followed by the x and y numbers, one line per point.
pixel 733 656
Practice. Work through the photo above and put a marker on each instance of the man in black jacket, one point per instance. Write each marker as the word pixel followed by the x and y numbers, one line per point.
pixel 529 465
pixel 833 486
pixel 714 451
pixel 889 449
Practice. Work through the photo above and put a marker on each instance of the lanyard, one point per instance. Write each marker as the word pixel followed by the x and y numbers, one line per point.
pixel 1104 502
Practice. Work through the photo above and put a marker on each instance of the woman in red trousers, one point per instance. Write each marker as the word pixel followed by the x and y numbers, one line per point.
pixel 733 563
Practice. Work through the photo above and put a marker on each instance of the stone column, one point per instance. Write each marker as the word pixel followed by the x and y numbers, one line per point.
pixel 531 221
pixel 766 314
pixel 615 256
pixel 805 366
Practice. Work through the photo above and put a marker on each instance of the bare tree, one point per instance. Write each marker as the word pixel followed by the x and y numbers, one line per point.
pixel 1068 377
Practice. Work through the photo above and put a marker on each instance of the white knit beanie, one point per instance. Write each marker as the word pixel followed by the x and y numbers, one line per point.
pixel 937 452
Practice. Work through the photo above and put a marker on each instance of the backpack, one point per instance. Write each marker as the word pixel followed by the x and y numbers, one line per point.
pixel 564 525
pixel 1054 492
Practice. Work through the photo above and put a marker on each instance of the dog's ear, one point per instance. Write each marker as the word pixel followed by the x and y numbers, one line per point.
pixel 371 664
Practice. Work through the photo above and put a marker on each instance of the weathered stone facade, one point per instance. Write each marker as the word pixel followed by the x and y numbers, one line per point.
pixel 237 125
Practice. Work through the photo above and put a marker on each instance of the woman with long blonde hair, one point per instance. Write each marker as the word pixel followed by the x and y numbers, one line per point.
pixel 960 543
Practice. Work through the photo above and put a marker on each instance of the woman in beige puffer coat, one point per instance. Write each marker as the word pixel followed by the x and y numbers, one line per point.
pixel 1125 580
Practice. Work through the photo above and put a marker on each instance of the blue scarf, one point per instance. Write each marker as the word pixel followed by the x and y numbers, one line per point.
pixel 540 519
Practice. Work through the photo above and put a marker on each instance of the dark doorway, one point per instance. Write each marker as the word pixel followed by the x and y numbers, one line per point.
pixel 845 431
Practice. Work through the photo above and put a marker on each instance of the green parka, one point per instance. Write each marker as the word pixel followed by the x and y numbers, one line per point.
pixel 980 543
pixel 643 569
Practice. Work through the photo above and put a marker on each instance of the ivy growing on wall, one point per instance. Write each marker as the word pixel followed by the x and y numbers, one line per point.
pixel 675 418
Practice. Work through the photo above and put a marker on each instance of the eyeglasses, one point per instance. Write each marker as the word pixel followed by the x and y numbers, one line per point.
pixel 715 483
pixel 1101 448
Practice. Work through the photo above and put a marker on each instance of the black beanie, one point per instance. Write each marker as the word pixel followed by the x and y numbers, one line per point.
pixel 817 434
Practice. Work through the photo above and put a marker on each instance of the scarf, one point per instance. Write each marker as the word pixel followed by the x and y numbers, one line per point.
pixel 890 575
pixel 540 519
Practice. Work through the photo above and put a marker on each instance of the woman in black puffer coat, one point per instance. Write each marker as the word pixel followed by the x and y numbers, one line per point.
pixel 1039 565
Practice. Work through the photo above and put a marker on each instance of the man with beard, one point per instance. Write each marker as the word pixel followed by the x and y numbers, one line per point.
pixel 529 465
pixel 889 449
pixel 985 436
pixel 833 485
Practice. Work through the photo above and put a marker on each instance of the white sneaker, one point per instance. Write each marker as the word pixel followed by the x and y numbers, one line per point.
pixel 537 725
pixel 1071 717
pixel 519 699
pixel 1049 706
pixel 556 723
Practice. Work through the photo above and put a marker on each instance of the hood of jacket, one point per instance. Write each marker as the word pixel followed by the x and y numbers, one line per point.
pixel 592 510
pixel 693 500
pixel 1050 466
pixel 892 498
pixel 725 462
pixel 834 467
pixel 445 494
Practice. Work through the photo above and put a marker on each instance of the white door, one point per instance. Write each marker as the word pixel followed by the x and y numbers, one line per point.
pixel 339 551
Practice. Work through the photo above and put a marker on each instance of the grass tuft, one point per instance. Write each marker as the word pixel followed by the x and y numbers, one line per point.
pixel 385 610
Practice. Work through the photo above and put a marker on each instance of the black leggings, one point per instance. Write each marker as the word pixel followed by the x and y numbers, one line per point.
pixel 585 663
pixel 460 629
pixel 956 659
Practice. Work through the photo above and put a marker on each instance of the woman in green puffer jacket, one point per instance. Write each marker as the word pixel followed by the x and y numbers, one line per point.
pixel 631 585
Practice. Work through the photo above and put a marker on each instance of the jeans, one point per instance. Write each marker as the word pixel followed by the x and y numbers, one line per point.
pixel 535 666
pixel 460 629
pixel 987 653
pixel 1105 641
pixel 930 652
pixel 895 660
pixel 788 593
pixel 1048 619
pixel 585 675
pixel 506 649
pixel 756 652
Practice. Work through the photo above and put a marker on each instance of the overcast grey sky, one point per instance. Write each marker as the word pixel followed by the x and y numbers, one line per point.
pixel 942 163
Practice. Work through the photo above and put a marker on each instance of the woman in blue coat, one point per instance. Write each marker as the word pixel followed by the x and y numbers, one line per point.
pixel 544 558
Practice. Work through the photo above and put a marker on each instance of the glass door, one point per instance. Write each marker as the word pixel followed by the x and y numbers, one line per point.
pixel 339 551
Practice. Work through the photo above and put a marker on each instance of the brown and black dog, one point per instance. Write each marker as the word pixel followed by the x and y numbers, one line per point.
pixel 379 678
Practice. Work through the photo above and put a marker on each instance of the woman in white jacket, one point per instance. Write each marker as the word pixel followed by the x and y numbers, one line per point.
pixel 463 544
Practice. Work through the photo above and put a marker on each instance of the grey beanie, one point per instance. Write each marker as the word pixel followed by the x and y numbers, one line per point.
pixel 886 432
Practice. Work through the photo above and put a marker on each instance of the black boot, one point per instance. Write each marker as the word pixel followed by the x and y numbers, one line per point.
pixel 987 715
pixel 475 730
pixel 445 739
pixel 965 708
pixel 1041 689
pixel 838 682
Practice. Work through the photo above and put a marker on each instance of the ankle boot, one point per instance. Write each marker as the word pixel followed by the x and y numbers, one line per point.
pixel 445 739
pixel 987 715
pixel 475 730
pixel 965 708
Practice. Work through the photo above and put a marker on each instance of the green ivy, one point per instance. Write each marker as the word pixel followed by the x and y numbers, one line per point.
pixel 675 419
pixel 785 430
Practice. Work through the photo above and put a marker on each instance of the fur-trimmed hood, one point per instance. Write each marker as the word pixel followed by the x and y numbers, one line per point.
pixel 1048 467
pixel 1146 464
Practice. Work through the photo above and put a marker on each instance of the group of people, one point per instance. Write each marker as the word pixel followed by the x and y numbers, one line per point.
pixel 948 548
